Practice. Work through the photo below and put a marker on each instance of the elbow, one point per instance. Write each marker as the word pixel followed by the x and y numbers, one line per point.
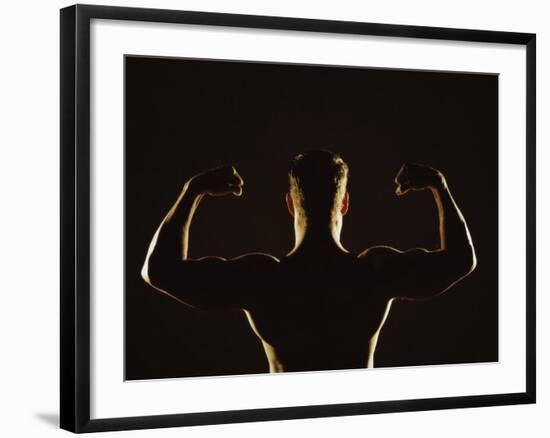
pixel 145 273
pixel 473 263
pixel 158 273
pixel 150 272
pixel 458 265
pixel 468 263
pixel 472 259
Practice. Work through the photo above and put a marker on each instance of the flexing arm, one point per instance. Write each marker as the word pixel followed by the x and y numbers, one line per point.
pixel 419 273
pixel 204 282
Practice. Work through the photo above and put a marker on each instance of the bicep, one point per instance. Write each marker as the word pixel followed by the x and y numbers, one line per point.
pixel 414 274
pixel 216 283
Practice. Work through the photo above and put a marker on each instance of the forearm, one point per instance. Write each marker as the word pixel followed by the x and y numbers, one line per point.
pixel 454 235
pixel 171 240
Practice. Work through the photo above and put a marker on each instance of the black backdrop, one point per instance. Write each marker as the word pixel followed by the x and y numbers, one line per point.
pixel 183 116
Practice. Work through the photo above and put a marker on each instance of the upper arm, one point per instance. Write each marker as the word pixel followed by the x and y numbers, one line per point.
pixel 214 282
pixel 413 274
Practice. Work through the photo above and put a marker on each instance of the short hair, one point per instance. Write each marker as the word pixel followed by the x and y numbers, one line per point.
pixel 318 182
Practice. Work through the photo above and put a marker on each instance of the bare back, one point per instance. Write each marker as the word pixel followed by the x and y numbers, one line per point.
pixel 319 308
pixel 318 313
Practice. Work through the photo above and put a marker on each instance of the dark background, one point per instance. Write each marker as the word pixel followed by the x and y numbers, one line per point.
pixel 184 116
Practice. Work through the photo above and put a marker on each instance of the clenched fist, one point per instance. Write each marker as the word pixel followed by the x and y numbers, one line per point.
pixel 219 181
pixel 417 177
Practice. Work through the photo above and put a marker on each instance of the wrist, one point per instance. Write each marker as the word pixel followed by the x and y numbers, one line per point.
pixel 439 182
pixel 194 188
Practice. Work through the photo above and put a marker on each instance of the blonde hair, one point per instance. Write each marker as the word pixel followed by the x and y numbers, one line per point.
pixel 318 181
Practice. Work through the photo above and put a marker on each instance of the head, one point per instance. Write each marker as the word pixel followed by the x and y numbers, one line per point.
pixel 317 189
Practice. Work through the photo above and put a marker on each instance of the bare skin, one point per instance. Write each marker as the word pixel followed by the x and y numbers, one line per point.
pixel 319 307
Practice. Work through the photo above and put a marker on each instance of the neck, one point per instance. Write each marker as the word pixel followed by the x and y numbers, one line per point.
pixel 317 236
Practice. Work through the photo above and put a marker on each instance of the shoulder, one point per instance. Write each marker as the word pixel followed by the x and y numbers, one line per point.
pixel 253 257
pixel 379 255
pixel 246 264
pixel 255 260
pixel 253 265
pixel 376 255
pixel 378 250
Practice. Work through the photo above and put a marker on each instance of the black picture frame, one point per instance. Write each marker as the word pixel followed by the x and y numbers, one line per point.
pixel 75 217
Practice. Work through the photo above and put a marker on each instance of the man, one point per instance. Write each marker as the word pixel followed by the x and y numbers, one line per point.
pixel 319 307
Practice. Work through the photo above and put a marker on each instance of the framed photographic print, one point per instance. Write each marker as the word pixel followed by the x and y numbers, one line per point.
pixel 270 218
